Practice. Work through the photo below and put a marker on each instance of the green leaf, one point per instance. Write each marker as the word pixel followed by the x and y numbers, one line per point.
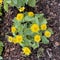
pixel 35 20
pixel 6 6
pixel 1 44
pixel 22 44
pixel 27 32
pixel 20 29
pixel 20 3
pixel 45 40
pixel 0 13
pixel 25 1
pixel 26 42
pixel 1 58
pixel 1 49
pixel 32 3
pixel 8 1
pixel 40 52
pixel 40 33
pixel 43 21
pixel 27 18
pixel 39 15
pixel 16 23
pixel 14 1
pixel 49 29
pixel 35 45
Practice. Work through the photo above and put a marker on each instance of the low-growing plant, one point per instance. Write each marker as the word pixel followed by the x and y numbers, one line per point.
pixel 1 7
pixel 40 53
pixel 1 49
pixel 29 30
pixel 1 2
pixel 18 3
pixel 0 10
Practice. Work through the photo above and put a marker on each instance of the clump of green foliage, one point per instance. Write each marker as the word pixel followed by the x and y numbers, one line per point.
pixel 18 3
pixel 1 49
pixel 1 9
pixel 29 30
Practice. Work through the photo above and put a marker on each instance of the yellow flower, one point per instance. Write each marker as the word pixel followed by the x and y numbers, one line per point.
pixel 43 27
pixel 14 40
pixel 19 38
pixel 30 14
pixel 35 28
pixel 10 38
pixel 19 16
pixel 13 29
pixel 26 50
pixel 1 1
pixel 47 34
pixel 37 38
pixel 21 9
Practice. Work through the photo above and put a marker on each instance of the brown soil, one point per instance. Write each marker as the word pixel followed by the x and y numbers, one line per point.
pixel 51 10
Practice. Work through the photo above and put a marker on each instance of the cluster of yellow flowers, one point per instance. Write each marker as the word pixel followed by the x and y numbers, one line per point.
pixel 20 16
pixel 43 27
pixel 17 39
pixel 35 28
pixel 37 38
pixel 1 1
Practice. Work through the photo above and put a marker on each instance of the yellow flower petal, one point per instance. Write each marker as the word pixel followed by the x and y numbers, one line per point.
pixel 14 40
pixel 1 1
pixel 13 29
pixel 47 34
pixel 37 38
pixel 35 28
pixel 30 14
pixel 10 38
pixel 26 50
pixel 21 9
pixel 19 38
pixel 43 27
pixel 19 16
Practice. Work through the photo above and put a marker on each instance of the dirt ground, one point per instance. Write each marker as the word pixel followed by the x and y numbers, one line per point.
pixel 51 10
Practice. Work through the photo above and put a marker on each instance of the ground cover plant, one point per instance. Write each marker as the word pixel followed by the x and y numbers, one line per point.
pixel 18 3
pixel 1 49
pixel 29 30
pixel 0 9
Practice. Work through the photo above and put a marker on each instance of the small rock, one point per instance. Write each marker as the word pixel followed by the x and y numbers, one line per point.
pixel 57 43
pixel 12 49
pixel 7 50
